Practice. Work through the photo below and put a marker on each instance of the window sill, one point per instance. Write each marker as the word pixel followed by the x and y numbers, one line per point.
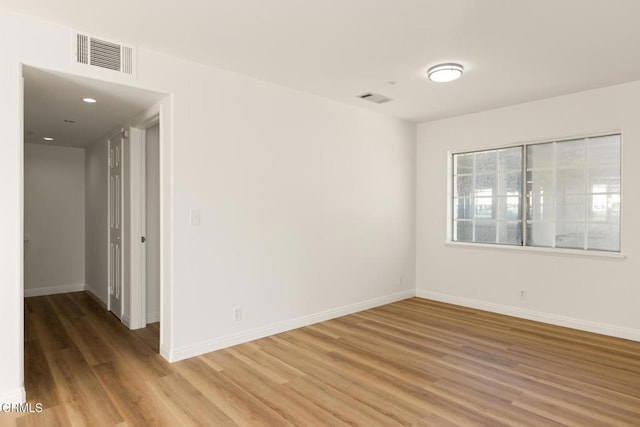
pixel 616 256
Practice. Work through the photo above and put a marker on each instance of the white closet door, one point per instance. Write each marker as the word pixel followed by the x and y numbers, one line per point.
pixel 115 224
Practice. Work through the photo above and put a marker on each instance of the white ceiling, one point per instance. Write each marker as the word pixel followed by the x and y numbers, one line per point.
pixel 50 98
pixel 513 50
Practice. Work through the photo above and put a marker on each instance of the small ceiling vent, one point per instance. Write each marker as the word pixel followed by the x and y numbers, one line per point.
pixel 375 98
pixel 97 52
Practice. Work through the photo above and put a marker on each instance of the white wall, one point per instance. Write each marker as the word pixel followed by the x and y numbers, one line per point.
pixel 307 204
pixel 597 294
pixel 54 219
pixel 152 199
pixel 96 221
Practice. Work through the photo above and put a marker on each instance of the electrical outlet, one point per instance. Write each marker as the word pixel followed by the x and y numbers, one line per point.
pixel 523 294
pixel 237 314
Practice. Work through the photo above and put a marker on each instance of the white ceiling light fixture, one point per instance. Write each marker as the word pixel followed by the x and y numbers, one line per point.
pixel 89 100
pixel 443 73
pixel 47 138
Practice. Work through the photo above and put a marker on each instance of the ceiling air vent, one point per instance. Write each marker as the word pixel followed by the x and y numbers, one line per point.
pixel 110 55
pixel 375 98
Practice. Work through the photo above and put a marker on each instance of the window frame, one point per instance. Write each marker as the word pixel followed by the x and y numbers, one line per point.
pixel 497 172
pixel 524 204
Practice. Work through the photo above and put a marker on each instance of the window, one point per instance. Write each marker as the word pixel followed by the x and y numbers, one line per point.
pixel 571 195
pixel 486 196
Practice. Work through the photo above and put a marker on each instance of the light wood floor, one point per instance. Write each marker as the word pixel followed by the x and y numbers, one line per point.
pixel 415 362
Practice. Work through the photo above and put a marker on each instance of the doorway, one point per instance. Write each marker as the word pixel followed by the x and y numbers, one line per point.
pixel 58 116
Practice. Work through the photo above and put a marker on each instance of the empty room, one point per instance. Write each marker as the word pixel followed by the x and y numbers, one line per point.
pixel 284 212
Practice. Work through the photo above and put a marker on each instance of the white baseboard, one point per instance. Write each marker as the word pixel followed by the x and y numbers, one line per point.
pixel 13 396
pixel 185 352
pixel 153 317
pixel 166 353
pixel 93 294
pixel 553 319
pixel 52 290
pixel 126 320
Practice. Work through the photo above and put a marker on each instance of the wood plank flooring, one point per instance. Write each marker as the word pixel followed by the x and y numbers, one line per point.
pixel 412 363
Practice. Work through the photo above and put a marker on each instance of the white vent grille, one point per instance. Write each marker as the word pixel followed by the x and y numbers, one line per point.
pixel 105 54
pixel 375 98
pixel 127 60
pixel 82 51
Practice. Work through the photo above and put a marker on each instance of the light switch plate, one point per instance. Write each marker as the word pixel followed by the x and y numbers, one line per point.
pixel 194 217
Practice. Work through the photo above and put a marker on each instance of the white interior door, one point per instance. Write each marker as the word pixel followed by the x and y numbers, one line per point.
pixel 115 225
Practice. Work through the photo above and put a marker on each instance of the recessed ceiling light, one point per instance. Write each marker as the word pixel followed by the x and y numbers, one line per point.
pixel 89 100
pixel 47 138
pixel 443 73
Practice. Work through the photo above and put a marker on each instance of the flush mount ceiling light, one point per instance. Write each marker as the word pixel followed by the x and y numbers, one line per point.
pixel 443 73
pixel 47 138
pixel 89 100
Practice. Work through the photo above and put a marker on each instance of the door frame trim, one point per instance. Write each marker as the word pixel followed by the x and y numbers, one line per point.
pixel 138 282
pixel 163 112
